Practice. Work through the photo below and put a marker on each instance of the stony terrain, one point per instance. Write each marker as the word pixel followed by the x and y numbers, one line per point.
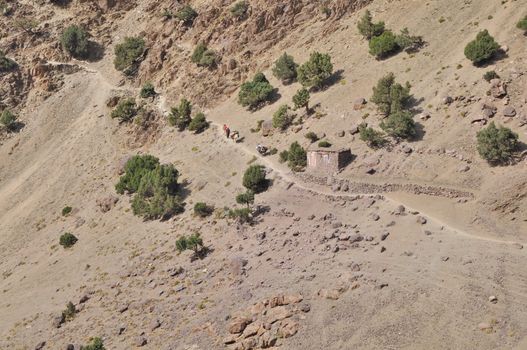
pixel 418 245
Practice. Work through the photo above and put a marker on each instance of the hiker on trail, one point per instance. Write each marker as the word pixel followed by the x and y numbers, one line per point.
pixel 226 130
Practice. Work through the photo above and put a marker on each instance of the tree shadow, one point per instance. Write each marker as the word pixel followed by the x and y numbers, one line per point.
pixel 201 253
pixel 16 127
pixel 335 78
pixel 183 190
pixel 412 104
pixel 96 51
pixel 498 56
pixel 419 132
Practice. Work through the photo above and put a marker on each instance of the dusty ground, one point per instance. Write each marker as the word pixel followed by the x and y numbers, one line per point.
pixel 394 281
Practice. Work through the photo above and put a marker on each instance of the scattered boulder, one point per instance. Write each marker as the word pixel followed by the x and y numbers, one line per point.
pixel 237 266
pixel 425 115
pixel 447 100
pixel 509 112
pixel 40 345
pixel 498 89
pixel 238 325
pixel 106 204
pixel 421 220
pixel 493 299
pixel 359 103
pixel 267 128
pixel 58 320
pixel 141 341
pixel 332 294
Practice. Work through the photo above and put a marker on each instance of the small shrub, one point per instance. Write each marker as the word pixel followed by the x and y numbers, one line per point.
pixel 311 136
pixel 203 210
pixel 8 120
pixel 242 215
pixel 367 28
pixel 400 124
pixel 383 45
pixel 301 99
pixel 256 92
pixel 74 40
pixel 497 145
pixel 281 118
pixel 324 144
pixel 315 72
pixel 66 211
pixel 522 24
pixel 187 15
pixel 296 157
pixel 254 179
pixel 239 10
pixel 147 91
pixel 6 64
pixel 246 198
pixel 96 344
pixel 180 116
pixel 488 76
pixel 372 137
pixel 405 41
pixel 285 69
pixel 283 156
pixel 390 97
pixel 203 56
pixel 70 312
pixel 67 240
pixel 125 110
pixel 128 54
pixel 273 151
pixel 198 124
pixel 193 242
pixel 482 48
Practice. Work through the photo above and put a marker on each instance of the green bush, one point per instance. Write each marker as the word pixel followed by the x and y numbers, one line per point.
pixel 203 56
pixel 6 64
pixel 74 40
pixel 67 240
pixel 69 313
pixel 390 97
pixel 180 116
pixel 315 72
pixel 246 198
pixel 281 118
pixel 405 41
pixel 187 15
pixel 198 124
pixel 96 344
pixel 372 137
pixel 8 120
pixel 154 185
pixel 254 179
pixel 66 211
pixel 296 157
pixel 522 24
pixel 497 145
pixel 256 92
pixel 125 110
pixel 239 10
pixel 482 48
pixel 367 28
pixel 383 45
pixel 193 242
pixel 285 69
pixel 301 99
pixel 147 91
pixel 311 136
pixel 324 144
pixel 283 156
pixel 488 76
pixel 400 124
pixel 128 54
pixel 202 209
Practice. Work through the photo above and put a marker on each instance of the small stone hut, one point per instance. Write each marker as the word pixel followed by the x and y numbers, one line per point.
pixel 328 160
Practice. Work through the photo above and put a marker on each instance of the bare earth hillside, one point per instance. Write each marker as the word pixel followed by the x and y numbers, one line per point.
pixel 416 245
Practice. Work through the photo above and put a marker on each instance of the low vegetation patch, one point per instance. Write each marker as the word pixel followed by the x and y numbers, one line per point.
pixel 125 110
pixel 187 15
pixel 154 186
pixel 129 54
pixel 239 10
pixel 202 56
pixel 253 94
pixel 367 28
pixel 481 49
pixel 180 116
pixel 301 99
pixel 67 240
pixel 488 76
pixel 497 145
pixel 198 124
pixel 400 125
pixel 282 119
pixel 522 24
pixel 389 96
pixel 311 136
pixel 296 157
pixel 246 198
pixel 203 210
pixel 74 40
pixel 147 91
pixel 69 313
pixel 8 120
pixel 192 242
pixel 95 344
pixel 6 64
pixel 324 144
pixel 372 137
pixel 66 210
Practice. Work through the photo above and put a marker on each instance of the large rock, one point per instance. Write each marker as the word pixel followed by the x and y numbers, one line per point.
pixel 238 325
pixel 509 112
pixel 278 313
pixel 498 88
